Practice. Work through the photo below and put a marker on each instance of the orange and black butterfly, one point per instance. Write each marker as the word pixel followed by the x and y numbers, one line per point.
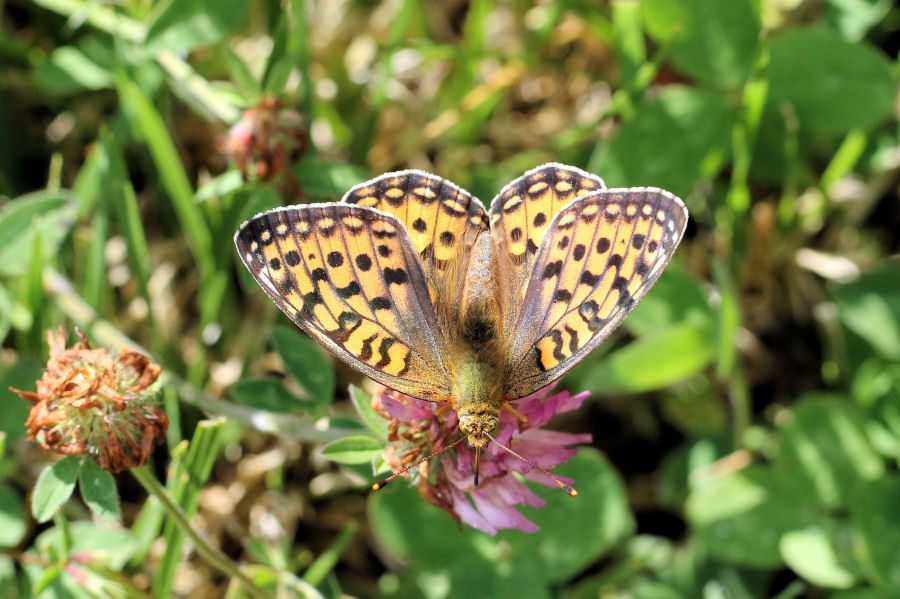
pixel 410 281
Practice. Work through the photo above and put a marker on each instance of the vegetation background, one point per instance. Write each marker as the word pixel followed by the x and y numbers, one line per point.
pixel 746 418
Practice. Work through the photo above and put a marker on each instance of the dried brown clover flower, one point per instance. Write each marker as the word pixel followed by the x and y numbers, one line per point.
pixel 90 401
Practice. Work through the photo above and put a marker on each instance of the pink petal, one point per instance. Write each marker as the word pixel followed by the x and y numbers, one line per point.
pixel 572 402
pixel 499 513
pixel 554 437
pixel 404 412
pixel 541 410
pixel 513 491
pixel 538 412
pixel 469 514
pixel 545 456
pixel 507 428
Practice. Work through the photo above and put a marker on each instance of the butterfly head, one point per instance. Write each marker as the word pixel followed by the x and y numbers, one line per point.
pixel 478 427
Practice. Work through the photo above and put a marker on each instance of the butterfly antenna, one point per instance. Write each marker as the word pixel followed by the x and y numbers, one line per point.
pixel 567 488
pixel 382 484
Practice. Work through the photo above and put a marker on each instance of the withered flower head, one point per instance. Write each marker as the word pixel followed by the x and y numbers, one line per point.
pixel 266 140
pixel 91 401
pixel 418 428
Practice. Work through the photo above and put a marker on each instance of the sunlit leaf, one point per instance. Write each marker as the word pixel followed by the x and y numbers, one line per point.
pixel 54 487
pixel 353 450
pixel 854 18
pixel 833 85
pixel 363 404
pixel 268 394
pixel 741 516
pixel 877 518
pixel 185 24
pixel 711 40
pixel 12 517
pixel 327 180
pixel 677 138
pixel 870 307
pixel 305 362
pixel 69 71
pixel 820 555
pixel 826 443
pixel 677 353
pixel 98 489
pixel 55 215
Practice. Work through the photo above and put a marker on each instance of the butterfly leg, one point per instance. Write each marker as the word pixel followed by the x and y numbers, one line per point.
pixel 443 409
pixel 508 407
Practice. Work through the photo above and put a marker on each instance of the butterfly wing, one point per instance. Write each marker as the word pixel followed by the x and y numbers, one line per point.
pixel 443 222
pixel 350 277
pixel 599 257
pixel 519 217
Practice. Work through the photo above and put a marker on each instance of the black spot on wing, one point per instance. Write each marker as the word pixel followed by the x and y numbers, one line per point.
pixel 562 295
pixel 363 262
pixel 588 278
pixel 380 303
pixel 637 242
pixel 552 270
pixel 578 252
pixel 350 290
pixel 335 259
pixel 396 276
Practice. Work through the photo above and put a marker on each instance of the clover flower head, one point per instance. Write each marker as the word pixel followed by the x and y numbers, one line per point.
pixel 90 401
pixel 266 140
pixel 418 428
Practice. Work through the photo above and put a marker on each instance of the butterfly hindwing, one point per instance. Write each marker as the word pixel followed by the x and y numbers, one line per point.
pixel 520 216
pixel 350 277
pixel 598 258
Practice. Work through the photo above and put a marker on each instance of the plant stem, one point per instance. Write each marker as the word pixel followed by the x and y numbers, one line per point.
pixel 213 556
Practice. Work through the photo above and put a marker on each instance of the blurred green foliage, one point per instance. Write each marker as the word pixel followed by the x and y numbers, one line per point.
pixel 749 410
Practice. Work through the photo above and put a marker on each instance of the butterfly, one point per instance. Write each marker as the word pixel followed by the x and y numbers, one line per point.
pixel 411 282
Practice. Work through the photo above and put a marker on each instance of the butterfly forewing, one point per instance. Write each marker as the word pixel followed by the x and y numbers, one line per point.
pixel 520 216
pixel 443 222
pixel 436 212
pixel 350 277
pixel 597 259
